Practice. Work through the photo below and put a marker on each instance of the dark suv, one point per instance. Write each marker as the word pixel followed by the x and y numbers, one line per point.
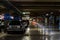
pixel 17 26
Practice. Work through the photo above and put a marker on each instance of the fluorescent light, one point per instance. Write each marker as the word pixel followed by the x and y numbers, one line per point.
pixel 24 13
pixel 47 14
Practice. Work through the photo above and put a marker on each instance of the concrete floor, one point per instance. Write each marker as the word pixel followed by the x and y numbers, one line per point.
pixel 31 34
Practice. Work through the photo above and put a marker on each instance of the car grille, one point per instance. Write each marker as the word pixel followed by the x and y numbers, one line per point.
pixel 14 27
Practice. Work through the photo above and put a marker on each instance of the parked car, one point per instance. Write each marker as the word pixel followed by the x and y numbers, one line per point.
pixel 17 26
pixel 2 26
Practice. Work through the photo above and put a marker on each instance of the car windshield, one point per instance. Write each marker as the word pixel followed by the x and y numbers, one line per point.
pixel 14 23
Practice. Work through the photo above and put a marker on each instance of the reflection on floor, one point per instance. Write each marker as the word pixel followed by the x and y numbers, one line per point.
pixel 31 34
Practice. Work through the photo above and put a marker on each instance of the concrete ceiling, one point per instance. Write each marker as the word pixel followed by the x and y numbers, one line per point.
pixel 36 0
pixel 37 6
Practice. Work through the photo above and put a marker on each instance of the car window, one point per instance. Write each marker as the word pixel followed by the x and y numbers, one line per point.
pixel 14 23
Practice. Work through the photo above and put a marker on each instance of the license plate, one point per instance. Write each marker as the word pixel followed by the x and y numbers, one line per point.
pixel 18 26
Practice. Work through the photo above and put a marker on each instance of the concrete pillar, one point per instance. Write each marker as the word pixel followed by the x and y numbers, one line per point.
pixel 59 22
pixel 46 20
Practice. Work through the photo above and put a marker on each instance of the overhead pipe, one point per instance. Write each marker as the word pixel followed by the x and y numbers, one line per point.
pixel 10 5
pixel 13 6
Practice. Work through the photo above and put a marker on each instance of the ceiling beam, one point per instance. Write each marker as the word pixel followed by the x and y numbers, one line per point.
pixel 36 0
